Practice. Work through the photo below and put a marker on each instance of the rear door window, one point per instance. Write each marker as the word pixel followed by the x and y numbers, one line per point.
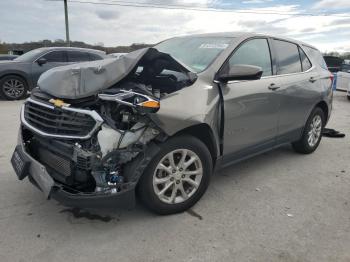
pixel 288 57
pixel 255 52
pixel 77 56
pixel 55 57
pixel 94 57
pixel 305 62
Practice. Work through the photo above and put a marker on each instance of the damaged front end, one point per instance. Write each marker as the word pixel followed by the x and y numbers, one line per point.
pixel 92 137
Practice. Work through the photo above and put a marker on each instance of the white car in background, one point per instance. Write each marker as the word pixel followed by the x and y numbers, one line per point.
pixel 343 79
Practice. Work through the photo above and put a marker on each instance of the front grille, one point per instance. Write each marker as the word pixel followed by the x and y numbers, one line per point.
pixel 84 162
pixel 60 122
pixel 54 161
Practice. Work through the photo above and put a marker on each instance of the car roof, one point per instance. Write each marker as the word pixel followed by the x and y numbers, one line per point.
pixel 247 35
pixel 72 49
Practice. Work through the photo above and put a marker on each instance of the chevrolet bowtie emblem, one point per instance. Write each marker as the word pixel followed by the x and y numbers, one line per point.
pixel 58 102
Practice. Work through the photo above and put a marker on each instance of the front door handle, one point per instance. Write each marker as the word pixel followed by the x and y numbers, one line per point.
pixel 273 86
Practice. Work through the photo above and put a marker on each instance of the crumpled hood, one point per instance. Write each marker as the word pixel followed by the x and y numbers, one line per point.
pixel 89 78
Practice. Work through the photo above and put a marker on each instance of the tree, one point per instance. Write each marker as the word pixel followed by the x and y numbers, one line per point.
pixel 3 49
pixel 27 46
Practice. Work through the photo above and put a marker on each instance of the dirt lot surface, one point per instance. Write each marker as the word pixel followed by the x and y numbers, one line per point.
pixel 279 206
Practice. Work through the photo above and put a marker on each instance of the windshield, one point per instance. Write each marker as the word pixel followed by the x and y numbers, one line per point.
pixel 195 52
pixel 29 56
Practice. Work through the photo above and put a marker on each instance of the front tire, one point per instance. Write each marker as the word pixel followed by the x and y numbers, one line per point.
pixel 312 133
pixel 13 87
pixel 177 176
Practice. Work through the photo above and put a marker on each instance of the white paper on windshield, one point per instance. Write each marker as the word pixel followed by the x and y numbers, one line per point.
pixel 213 46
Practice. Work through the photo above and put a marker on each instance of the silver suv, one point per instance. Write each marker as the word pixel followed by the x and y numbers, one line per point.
pixel 159 121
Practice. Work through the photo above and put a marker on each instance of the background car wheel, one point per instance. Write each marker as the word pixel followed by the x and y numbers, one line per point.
pixel 348 97
pixel 177 177
pixel 13 87
pixel 312 133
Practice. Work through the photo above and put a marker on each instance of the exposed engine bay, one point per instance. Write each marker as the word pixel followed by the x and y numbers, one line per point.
pixel 88 143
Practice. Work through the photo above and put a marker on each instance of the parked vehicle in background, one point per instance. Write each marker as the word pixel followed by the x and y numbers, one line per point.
pixel 341 70
pixel 160 120
pixel 333 63
pixel 117 55
pixel 21 74
pixel 343 79
pixel 16 52
pixel 8 57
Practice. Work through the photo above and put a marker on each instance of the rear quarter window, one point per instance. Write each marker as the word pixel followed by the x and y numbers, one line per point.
pixel 316 56
pixel 305 62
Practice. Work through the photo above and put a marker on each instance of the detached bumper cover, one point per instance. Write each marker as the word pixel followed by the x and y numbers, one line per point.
pixel 39 176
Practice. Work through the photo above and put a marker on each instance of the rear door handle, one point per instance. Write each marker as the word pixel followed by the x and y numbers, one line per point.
pixel 273 86
pixel 312 79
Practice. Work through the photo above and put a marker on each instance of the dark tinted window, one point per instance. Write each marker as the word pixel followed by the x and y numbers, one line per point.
pixel 305 62
pixel 77 56
pixel 288 57
pixel 55 57
pixel 255 52
pixel 94 57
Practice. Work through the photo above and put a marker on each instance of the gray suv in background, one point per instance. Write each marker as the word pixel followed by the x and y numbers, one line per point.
pixel 159 121
pixel 21 74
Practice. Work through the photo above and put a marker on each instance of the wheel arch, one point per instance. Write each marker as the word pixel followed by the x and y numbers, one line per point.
pixel 324 106
pixel 17 74
pixel 205 134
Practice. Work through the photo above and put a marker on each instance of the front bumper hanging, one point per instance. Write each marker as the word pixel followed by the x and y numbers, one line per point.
pixel 25 165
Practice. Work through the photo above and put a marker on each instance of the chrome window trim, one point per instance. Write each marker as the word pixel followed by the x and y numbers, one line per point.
pixel 98 119
pixel 291 74
pixel 273 76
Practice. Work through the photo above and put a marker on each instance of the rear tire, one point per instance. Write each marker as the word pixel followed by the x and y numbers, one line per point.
pixel 348 97
pixel 172 186
pixel 13 87
pixel 312 133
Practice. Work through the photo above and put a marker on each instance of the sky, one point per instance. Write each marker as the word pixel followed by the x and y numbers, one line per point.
pixel 32 20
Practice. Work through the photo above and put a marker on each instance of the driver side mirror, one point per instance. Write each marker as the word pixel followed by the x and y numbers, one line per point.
pixel 240 72
pixel 41 61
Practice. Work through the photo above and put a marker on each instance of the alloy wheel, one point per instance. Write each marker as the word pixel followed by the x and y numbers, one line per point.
pixel 13 88
pixel 315 130
pixel 177 176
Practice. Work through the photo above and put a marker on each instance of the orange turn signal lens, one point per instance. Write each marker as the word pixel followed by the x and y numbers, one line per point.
pixel 151 104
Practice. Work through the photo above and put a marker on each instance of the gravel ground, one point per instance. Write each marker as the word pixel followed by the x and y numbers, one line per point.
pixel 279 206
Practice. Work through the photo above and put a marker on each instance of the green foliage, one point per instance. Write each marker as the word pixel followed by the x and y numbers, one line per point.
pixel 3 48
pixel 345 55
pixel 27 46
